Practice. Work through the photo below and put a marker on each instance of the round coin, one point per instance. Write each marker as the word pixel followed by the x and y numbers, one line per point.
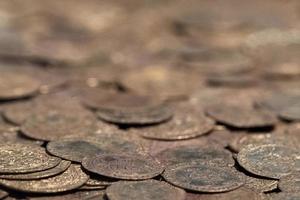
pixel 290 183
pixel 25 158
pixel 60 168
pixel 144 190
pixel 71 179
pixel 201 177
pixel 269 160
pixel 130 167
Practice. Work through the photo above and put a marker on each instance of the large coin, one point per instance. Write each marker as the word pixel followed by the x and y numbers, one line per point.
pixel 130 167
pixel 290 183
pixel 71 179
pixel 60 168
pixel 25 158
pixel 269 160
pixel 144 190
pixel 203 177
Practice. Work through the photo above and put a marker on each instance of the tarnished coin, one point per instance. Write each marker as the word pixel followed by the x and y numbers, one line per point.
pixel 60 168
pixel 187 122
pixel 71 179
pixel 130 167
pixel 203 177
pixel 3 194
pixel 285 196
pixel 74 195
pixel 290 183
pixel 25 158
pixel 241 116
pixel 144 190
pixel 260 185
pixel 15 86
pixel 269 160
pixel 185 154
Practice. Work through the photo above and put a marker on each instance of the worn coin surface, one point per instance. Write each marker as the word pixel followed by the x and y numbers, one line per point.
pixel 269 160
pixel 60 168
pixel 71 179
pixel 189 153
pixel 130 167
pixel 290 183
pixel 144 190
pixel 203 177
pixel 260 185
pixel 25 158
pixel 74 195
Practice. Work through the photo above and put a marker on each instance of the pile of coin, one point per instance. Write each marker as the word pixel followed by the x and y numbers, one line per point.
pixel 201 101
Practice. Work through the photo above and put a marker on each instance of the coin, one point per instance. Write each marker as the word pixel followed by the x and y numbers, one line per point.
pixel 3 194
pixel 25 158
pixel 290 183
pixel 60 168
pixel 100 181
pixel 16 86
pixel 291 113
pixel 260 185
pixel 74 195
pixel 130 167
pixel 203 177
pixel 71 179
pixel 144 190
pixel 269 160
pixel 285 196
pixel 187 122
pixel 240 116
pixel 185 154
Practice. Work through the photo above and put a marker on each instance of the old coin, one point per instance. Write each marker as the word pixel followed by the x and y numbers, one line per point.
pixel 185 154
pixel 100 181
pixel 60 168
pixel 241 116
pixel 269 160
pixel 71 179
pixel 290 183
pixel 260 185
pixel 15 86
pixel 285 196
pixel 144 190
pixel 74 195
pixel 130 167
pixel 187 122
pixel 3 194
pixel 25 158
pixel 203 177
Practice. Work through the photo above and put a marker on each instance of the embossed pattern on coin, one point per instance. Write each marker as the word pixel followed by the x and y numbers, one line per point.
pixel 202 177
pixel 25 158
pixel 144 190
pixel 290 183
pixel 130 167
pixel 71 179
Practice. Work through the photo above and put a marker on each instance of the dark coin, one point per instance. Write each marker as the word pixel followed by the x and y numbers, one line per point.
pixel 203 177
pixel 75 195
pixel 3 194
pixel 25 158
pixel 130 167
pixel 71 179
pixel 187 122
pixel 185 154
pixel 290 183
pixel 269 160
pixel 241 116
pixel 60 168
pixel 144 190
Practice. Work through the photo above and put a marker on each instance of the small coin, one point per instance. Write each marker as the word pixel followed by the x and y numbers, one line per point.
pixel 269 160
pixel 144 190
pixel 185 154
pixel 130 167
pixel 241 116
pixel 15 86
pixel 3 194
pixel 74 195
pixel 71 179
pixel 285 196
pixel 187 122
pixel 290 183
pixel 60 168
pixel 203 177
pixel 260 185
pixel 25 158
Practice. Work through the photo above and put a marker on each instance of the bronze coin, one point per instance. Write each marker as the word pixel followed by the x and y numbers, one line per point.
pixel 74 195
pixel 187 122
pixel 25 158
pixel 260 185
pixel 290 183
pixel 71 179
pixel 130 167
pixel 185 154
pixel 203 177
pixel 241 116
pixel 60 168
pixel 15 86
pixel 269 160
pixel 144 190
